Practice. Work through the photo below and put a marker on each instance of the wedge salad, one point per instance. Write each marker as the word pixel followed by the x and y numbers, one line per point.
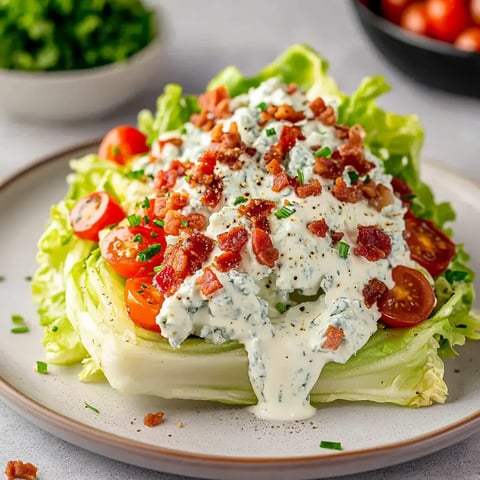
pixel 268 243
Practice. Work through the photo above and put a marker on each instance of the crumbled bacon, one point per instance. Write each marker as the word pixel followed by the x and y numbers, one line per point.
pixel 372 243
pixel 257 211
pixel 342 192
pixel 313 188
pixel 317 106
pixel 328 117
pixel 291 88
pixel 288 137
pixel 204 170
pixel 208 282
pixel 378 195
pixel 318 227
pixel 199 246
pixel 373 291
pixel 165 180
pixel 288 113
pixel 153 419
pixel 280 181
pixel 177 142
pixel 227 260
pixel 336 236
pixel 173 222
pixel 263 248
pixel 329 167
pixel 233 240
pixel 402 190
pixel 334 336
pixel 195 222
pixel 341 131
pixel 229 146
pixel 267 115
pixel 213 193
pixel 352 152
pixel 18 469
pixel 214 104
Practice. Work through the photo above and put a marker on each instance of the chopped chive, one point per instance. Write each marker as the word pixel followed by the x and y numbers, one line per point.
pixel 366 179
pixel 91 407
pixel 135 174
pixel 184 223
pixel 270 132
pixel 42 367
pixel 188 178
pixel 154 234
pixel 284 212
pixel 158 222
pixel 149 252
pixel 17 319
pixel 281 307
pixel 301 178
pixel 262 106
pixel 54 328
pixel 134 220
pixel 22 329
pixel 343 249
pixel 115 149
pixel 331 445
pixel 146 202
pixel 354 176
pixel 138 238
pixel 324 152
pixel 240 199
pixel 455 275
pixel 158 268
pixel 146 219
pixel 28 278
pixel 183 130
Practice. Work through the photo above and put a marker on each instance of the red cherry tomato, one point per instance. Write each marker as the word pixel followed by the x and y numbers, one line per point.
pixel 410 301
pixel 414 19
pixel 429 246
pixel 93 213
pixel 133 251
pixel 122 143
pixel 446 18
pixel 143 302
pixel 469 40
pixel 393 9
pixel 475 11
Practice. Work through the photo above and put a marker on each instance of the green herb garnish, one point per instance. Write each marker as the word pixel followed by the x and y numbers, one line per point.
pixel 54 328
pixel 331 445
pixel 301 178
pixel 158 268
pixel 149 252
pixel 324 152
pixel 284 212
pixel 239 200
pixel 42 367
pixel 135 174
pixel 138 238
pixel 91 407
pixel 184 223
pixel 281 307
pixel 262 106
pixel 146 203
pixel 158 222
pixel 270 132
pixel 343 249
pixel 353 176
pixel 455 275
pixel 134 220
pixel 17 319
pixel 22 329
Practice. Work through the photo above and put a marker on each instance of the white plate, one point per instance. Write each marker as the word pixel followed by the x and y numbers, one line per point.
pixel 215 441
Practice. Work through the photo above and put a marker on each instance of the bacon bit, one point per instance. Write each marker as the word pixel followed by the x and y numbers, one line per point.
pixel 288 113
pixel 291 88
pixel 329 167
pixel 205 168
pixel 153 419
pixel 319 228
pixel 18 469
pixel 202 120
pixel 208 282
pixel 257 211
pixel 228 260
pixel 196 222
pixel 165 180
pixel 167 280
pixel 274 167
pixel 353 154
pixel 178 200
pixel 373 291
pixel 373 243
pixel 288 137
pixel 233 240
pixel 213 193
pixel 280 181
pixel 328 117
pixel 336 236
pixel 210 100
pixel 214 104
pixel 177 142
pixel 378 195
pixel 341 131
pixel 199 246
pixel 311 189
pixel 267 115
pixel 263 248
pixel 173 222
pixel 334 336
pixel 342 192
pixel 402 190
pixel 317 106
pixel 228 145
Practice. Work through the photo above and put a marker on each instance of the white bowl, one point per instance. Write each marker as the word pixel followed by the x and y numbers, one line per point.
pixel 79 94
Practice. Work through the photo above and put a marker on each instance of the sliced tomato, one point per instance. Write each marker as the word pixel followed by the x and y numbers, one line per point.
pixel 429 246
pixel 410 301
pixel 122 143
pixel 93 213
pixel 133 251
pixel 143 302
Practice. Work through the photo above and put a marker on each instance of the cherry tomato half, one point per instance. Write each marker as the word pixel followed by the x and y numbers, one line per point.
pixel 469 40
pixel 410 301
pixel 429 246
pixel 143 302
pixel 414 19
pixel 446 18
pixel 93 213
pixel 133 251
pixel 122 143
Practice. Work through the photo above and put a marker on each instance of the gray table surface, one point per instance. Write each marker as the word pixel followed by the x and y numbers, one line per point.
pixel 203 38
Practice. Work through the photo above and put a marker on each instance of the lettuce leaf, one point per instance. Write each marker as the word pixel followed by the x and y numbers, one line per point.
pixel 401 366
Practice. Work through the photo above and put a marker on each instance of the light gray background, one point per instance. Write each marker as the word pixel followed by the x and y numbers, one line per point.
pixel 203 38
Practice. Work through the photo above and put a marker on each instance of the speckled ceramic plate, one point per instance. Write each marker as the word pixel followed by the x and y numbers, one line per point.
pixel 204 439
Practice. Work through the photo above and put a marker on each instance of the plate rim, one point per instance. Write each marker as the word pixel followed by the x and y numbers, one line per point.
pixel 61 425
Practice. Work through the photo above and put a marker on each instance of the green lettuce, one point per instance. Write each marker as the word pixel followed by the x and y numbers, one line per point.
pixel 80 298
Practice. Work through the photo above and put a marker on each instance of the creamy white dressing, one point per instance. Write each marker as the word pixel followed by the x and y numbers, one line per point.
pixel 285 352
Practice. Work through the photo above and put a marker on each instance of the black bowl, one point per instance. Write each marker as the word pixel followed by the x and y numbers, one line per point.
pixel 431 62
